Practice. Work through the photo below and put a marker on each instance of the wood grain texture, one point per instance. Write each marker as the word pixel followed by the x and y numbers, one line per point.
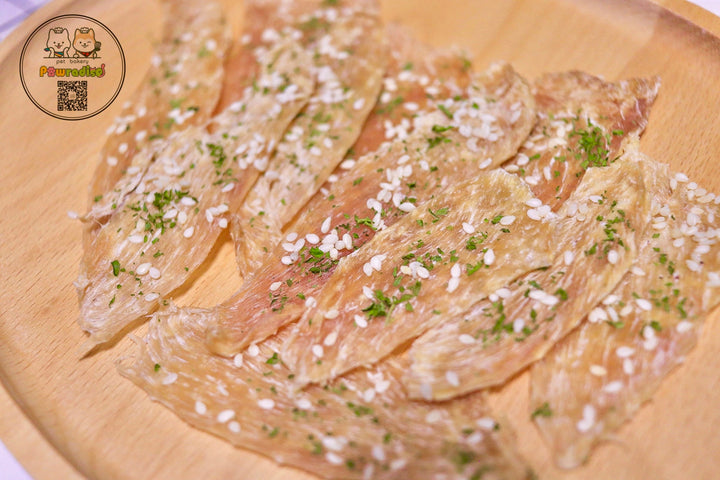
pixel 106 428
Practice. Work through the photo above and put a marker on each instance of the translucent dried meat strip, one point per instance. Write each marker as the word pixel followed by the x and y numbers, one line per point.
pixel 362 426
pixel 417 77
pixel 598 231
pixel 195 39
pixel 431 265
pixel 172 219
pixel 378 190
pixel 349 60
pixel 599 376
pixel 583 121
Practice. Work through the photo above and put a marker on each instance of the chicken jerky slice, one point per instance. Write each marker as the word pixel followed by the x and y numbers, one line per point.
pixel 598 230
pixel 583 122
pixel 193 46
pixel 378 190
pixel 598 377
pixel 362 426
pixel 174 216
pixel 415 274
pixel 349 62
pixel 417 78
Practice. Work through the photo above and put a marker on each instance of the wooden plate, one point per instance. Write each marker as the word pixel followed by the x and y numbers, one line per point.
pixel 107 428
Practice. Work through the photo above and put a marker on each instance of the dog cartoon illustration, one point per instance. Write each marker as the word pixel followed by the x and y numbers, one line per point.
pixel 58 42
pixel 85 44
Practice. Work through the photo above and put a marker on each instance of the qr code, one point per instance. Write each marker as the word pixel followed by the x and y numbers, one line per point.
pixel 72 96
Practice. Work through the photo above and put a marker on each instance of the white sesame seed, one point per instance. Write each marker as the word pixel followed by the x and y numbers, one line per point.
pixel 238 360
pixel 368 395
pixel 325 227
pixel 683 326
pixel 534 203
pixel 507 220
pixel 123 148
pixel 225 416
pixel 151 297
pixel 330 339
pixel 333 458
pixel 154 273
pixel 468 228
pixel 426 391
pixel 310 302
pixel 312 238
pixel 643 304
pixel 347 164
pixel 489 257
pixel 170 378
pixel 112 161
pixel 331 314
pixel 360 321
pixel 466 339
pixel 533 214
pixel 485 163
pixel 624 351
pixel 135 239
pixel 143 268
pixel 359 103
pixel 286 260
pixel 628 366
pixel 693 265
pixel 597 315
pixel 378 453
pixel 253 350
pixel 200 408
pixel 485 423
pixel 455 271
pixel 453 284
pixel 304 404
pixel 612 257
pixel 234 427
pixel 434 416
pixel 318 351
pixel 266 404
pixel 423 272
pixel 398 464
pixel 332 443
pixel 452 378
pixel 598 370
pixel 637 271
pixel 406 207
pixel 518 325
pixel 584 425
pixel 610 299
pixel 613 387
pixel 367 269
pixel 681 177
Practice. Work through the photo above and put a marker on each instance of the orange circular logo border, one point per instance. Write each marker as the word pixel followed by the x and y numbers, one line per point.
pixel 32 36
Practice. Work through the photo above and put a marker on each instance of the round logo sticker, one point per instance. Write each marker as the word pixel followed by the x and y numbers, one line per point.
pixel 72 67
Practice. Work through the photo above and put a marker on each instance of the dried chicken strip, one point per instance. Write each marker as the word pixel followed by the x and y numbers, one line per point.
pixel 583 121
pixel 349 62
pixel 362 426
pixel 172 219
pixel 378 190
pixel 432 264
pixel 417 77
pixel 598 231
pixel 599 376
pixel 195 39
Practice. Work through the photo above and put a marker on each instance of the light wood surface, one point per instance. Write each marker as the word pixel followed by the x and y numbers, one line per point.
pixel 94 422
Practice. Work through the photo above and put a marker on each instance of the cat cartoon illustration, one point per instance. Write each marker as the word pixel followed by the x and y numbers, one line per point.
pixel 58 42
pixel 85 44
